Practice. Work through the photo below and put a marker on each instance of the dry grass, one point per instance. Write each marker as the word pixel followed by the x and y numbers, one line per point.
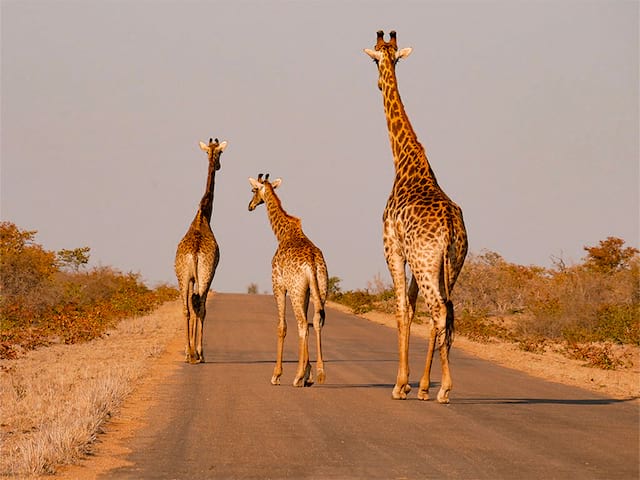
pixel 56 400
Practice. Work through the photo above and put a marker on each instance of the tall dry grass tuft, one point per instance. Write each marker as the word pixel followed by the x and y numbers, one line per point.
pixel 56 400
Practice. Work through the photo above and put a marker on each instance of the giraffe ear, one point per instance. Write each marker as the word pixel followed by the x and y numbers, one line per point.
pixel 373 54
pixel 222 146
pixel 204 147
pixel 276 183
pixel 254 183
pixel 403 53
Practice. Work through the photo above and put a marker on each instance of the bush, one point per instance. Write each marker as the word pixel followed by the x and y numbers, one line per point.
pixel 46 300
pixel 584 306
pixel 359 301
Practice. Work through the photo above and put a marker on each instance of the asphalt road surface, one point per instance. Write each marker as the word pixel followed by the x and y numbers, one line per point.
pixel 223 418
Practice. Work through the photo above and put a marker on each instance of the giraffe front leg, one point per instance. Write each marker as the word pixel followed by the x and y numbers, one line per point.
pixel 282 333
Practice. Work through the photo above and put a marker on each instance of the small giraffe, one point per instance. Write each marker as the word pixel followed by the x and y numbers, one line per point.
pixel 421 227
pixel 197 258
pixel 297 268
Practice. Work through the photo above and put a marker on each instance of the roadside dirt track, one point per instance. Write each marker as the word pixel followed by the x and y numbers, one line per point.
pixel 223 419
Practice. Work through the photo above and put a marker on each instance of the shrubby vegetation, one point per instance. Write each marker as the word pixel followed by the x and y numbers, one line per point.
pixel 52 297
pixel 586 308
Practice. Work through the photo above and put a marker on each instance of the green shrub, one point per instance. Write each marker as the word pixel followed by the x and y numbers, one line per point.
pixel 359 301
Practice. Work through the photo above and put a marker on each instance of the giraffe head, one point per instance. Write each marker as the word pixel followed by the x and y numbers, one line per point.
pixel 213 151
pixel 258 188
pixel 386 54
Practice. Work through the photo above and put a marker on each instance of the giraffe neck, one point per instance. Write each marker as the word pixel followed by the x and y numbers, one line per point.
pixel 283 224
pixel 206 204
pixel 408 153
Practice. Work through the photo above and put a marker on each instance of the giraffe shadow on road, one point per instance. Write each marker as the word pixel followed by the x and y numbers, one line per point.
pixel 540 401
pixel 244 362
pixel 357 385
pixel 414 386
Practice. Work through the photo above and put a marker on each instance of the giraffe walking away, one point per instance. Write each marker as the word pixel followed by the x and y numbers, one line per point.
pixel 422 227
pixel 297 268
pixel 196 260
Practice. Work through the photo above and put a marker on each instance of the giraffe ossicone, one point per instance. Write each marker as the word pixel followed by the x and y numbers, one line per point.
pixel 422 228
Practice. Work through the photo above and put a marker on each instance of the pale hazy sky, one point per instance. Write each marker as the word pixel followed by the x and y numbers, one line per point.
pixel 528 111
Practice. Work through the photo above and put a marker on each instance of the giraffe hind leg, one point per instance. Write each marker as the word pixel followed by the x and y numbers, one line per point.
pixel 304 375
pixel 191 317
pixel 318 322
pixel 445 341
pixel 201 314
pixel 439 338
pixel 396 264
pixel 187 318
pixel 281 296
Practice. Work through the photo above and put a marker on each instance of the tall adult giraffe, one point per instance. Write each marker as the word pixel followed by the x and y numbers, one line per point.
pixel 298 268
pixel 421 227
pixel 197 258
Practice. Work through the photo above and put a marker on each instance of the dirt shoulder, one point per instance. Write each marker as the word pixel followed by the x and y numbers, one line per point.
pixel 623 383
pixel 109 450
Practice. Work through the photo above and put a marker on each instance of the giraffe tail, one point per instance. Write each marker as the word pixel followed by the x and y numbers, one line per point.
pixel 449 326
pixel 195 296
pixel 318 290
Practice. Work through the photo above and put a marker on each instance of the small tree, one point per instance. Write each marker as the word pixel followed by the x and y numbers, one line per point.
pixel 73 259
pixel 25 267
pixel 609 256
pixel 334 286
pixel 252 288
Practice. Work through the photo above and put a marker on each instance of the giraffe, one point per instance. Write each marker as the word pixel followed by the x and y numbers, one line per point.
pixel 297 268
pixel 422 227
pixel 196 260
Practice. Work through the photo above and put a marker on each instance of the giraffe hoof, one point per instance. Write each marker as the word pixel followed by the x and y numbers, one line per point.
pixel 297 382
pixel 443 397
pixel 423 394
pixel 321 376
pixel 400 393
pixel 275 380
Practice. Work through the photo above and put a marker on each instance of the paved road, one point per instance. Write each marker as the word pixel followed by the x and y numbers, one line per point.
pixel 223 419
